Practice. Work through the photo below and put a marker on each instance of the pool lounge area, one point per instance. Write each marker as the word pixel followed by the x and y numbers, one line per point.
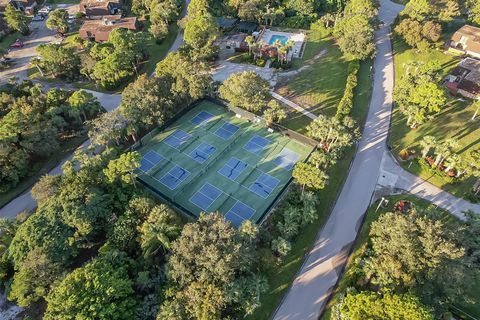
pixel 270 37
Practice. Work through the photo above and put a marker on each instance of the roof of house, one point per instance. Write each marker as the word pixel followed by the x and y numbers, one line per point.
pixel 97 3
pixel 226 23
pixel 247 26
pixel 109 23
pixel 473 37
pixel 469 68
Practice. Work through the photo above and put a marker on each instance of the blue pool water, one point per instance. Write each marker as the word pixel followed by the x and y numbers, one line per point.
pixel 275 37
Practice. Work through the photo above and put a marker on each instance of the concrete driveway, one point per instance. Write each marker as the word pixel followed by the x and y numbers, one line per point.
pixel 40 34
pixel 224 69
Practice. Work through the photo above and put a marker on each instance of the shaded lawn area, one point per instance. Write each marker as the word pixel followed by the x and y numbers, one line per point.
pixel 320 87
pixel 40 168
pixel 280 275
pixel 9 39
pixel 454 121
pixel 157 52
pixel 347 279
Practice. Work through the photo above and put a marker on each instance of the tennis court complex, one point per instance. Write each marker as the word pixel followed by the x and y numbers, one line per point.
pixel 211 160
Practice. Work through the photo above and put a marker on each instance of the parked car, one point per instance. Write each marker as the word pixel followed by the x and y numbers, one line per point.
pixel 17 44
pixel 45 10
pixel 38 17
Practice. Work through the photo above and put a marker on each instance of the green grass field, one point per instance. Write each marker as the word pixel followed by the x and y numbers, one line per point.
pixel 319 87
pixel 454 121
pixel 230 168
pixel 361 243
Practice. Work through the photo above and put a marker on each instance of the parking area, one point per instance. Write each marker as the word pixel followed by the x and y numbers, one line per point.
pixel 40 34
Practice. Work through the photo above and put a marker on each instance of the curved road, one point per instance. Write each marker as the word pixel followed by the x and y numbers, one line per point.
pixel 307 296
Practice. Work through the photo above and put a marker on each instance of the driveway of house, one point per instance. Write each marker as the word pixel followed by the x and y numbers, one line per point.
pixel 224 69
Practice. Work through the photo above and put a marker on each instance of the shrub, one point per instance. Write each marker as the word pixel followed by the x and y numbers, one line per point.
pixel 260 62
pixel 404 154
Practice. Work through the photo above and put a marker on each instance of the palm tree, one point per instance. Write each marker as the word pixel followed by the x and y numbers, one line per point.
pixel 476 103
pixel 453 160
pixel 427 143
pixel 444 150
pixel 158 231
pixel 37 62
pixel 250 41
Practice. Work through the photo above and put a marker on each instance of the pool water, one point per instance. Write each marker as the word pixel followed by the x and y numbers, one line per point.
pixel 275 37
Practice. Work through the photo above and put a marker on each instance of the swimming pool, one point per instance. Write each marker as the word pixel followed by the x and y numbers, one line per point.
pixel 275 37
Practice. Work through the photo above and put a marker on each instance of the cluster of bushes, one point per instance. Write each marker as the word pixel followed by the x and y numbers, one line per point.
pixel 297 210
pixel 279 65
pixel 346 103
pixel 34 123
pixel 109 63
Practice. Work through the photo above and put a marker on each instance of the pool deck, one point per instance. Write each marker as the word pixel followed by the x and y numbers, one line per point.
pixel 298 38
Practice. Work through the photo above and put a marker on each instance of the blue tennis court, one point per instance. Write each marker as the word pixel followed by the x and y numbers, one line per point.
pixel 150 160
pixel 177 138
pixel 264 185
pixel 233 168
pixel 202 118
pixel 174 177
pixel 202 152
pixel 286 159
pixel 256 144
pixel 204 197
pixel 226 131
pixel 239 213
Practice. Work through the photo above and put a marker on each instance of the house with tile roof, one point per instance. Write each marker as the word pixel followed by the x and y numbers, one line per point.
pixel 465 79
pixel 467 40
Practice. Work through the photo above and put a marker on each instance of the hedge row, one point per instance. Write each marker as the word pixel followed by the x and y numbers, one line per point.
pixel 346 103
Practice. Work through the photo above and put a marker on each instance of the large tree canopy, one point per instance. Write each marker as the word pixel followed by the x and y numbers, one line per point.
pixel 101 289
pixel 211 265
pixel 246 90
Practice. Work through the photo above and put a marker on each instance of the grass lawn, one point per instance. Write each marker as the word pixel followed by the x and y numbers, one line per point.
pixel 361 245
pixel 8 40
pixel 281 274
pixel 42 168
pixel 157 52
pixel 452 122
pixel 319 87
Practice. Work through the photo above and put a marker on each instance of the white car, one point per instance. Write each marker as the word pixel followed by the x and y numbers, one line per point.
pixel 45 10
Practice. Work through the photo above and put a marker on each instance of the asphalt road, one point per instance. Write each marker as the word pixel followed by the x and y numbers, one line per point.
pixel 307 296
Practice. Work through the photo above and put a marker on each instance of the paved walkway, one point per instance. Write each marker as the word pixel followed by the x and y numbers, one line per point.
pixel 293 105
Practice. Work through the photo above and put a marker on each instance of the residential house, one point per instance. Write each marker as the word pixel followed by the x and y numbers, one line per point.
pixel 99 30
pixel 465 79
pixel 95 9
pixel 27 6
pixel 467 40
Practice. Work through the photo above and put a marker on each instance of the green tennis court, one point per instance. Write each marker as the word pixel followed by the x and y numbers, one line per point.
pixel 213 160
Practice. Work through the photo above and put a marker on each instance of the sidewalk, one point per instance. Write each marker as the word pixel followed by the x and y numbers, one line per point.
pixel 293 105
